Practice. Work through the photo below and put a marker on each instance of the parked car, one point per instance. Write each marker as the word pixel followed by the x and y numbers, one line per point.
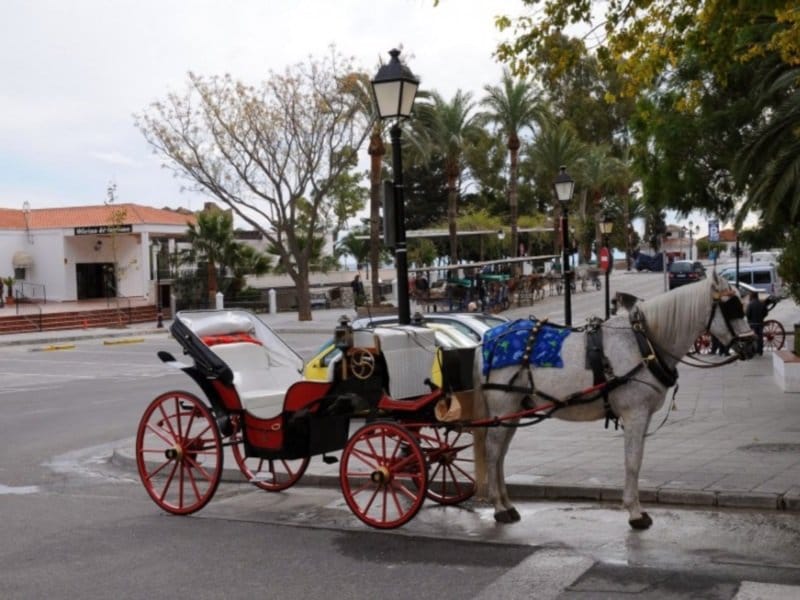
pixel 682 272
pixel 645 262
pixel 473 324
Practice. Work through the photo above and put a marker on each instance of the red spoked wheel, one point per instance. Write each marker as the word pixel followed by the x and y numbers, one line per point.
pixel 272 475
pixel 451 463
pixel 702 345
pixel 179 453
pixel 383 475
pixel 774 335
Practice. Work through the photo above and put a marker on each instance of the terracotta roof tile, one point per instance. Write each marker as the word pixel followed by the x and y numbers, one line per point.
pixel 86 216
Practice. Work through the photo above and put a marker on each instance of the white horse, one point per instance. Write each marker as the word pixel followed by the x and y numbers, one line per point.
pixel 630 382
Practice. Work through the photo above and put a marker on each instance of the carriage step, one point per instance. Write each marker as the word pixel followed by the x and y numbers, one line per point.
pixel 329 460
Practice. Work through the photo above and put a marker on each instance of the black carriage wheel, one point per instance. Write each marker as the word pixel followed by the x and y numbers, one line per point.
pixel 383 475
pixel 272 475
pixel 179 452
pixel 450 463
pixel 702 345
pixel 774 335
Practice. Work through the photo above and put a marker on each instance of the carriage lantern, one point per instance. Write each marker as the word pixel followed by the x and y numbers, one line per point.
pixel 395 88
pixel 343 334
pixel 564 186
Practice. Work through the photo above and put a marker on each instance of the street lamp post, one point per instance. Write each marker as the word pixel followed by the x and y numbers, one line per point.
pixel 159 313
pixel 564 186
pixel 692 230
pixel 395 87
pixel 606 227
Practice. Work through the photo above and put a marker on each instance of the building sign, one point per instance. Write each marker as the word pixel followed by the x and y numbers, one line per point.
pixel 103 229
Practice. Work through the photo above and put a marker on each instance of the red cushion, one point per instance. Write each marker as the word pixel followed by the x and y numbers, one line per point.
pixel 230 338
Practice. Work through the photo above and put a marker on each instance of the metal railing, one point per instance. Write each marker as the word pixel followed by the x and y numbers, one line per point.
pixel 30 292
pixel 36 321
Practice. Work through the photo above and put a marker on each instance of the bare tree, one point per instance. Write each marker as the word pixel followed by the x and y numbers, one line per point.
pixel 271 152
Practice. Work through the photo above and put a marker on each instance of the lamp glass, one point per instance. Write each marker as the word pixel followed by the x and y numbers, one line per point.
pixel 564 186
pixel 387 97
pixel 606 226
pixel 395 88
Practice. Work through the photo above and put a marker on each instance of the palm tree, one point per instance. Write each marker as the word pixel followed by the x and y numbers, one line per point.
pixel 599 174
pixel 212 243
pixel 360 86
pixel 447 128
pixel 557 144
pixel 768 166
pixel 246 260
pixel 513 106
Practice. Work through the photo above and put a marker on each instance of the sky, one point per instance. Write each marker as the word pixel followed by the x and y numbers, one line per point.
pixel 73 74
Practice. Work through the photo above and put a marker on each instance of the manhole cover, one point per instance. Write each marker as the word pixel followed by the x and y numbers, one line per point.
pixel 771 448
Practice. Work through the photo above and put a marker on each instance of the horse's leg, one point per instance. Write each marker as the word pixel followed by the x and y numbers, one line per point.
pixel 497 440
pixel 510 515
pixel 635 428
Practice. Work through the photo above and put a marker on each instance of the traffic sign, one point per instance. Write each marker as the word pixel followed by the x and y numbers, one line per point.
pixel 713 231
pixel 605 259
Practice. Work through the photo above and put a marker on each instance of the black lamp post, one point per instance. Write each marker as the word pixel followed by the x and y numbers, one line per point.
pixel 606 227
pixel 564 186
pixel 159 314
pixel 395 87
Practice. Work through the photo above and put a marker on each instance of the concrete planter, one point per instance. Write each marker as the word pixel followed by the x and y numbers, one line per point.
pixel 786 370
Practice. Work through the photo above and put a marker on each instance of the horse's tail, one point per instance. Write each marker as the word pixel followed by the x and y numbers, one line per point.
pixel 479 411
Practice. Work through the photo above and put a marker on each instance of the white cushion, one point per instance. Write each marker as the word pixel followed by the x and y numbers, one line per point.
pixel 260 379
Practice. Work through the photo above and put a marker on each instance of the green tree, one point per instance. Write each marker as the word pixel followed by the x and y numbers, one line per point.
pixel 359 85
pixel 556 145
pixel 789 265
pixel 768 166
pixel 447 128
pixel 513 106
pixel 260 150
pixel 212 244
pixel 246 260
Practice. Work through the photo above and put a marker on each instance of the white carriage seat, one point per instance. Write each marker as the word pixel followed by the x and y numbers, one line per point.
pixel 261 378
pixel 409 353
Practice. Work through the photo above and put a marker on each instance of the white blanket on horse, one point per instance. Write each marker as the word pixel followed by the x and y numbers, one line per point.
pixel 507 344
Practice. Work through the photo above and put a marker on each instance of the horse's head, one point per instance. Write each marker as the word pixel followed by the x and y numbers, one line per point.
pixel 727 322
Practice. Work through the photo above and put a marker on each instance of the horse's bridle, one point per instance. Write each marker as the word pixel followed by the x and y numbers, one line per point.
pixel 730 306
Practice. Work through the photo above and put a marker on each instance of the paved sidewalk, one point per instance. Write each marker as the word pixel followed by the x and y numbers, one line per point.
pixel 731 438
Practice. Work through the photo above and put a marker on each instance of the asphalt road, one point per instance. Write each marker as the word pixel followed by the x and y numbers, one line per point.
pixel 76 526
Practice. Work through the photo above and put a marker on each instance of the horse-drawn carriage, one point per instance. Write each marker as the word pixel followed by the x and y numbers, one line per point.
pixel 258 408
pixel 414 444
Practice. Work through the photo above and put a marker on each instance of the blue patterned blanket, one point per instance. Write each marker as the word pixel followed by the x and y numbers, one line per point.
pixel 504 345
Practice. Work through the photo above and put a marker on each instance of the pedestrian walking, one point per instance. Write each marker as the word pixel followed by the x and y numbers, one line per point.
pixel 756 312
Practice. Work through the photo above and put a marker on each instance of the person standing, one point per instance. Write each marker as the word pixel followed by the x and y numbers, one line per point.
pixel 756 312
pixel 358 290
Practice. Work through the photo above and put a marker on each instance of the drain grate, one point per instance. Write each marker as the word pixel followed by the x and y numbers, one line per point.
pixel 771 448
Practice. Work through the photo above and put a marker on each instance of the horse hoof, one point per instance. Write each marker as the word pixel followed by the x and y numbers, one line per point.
pixel 642 522
pixel 507 516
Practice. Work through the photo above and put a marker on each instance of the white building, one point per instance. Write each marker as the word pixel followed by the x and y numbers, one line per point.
pixel 67 254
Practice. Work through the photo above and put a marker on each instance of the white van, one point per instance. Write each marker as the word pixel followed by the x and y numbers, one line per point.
pixel 764 257
pixel 762 275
